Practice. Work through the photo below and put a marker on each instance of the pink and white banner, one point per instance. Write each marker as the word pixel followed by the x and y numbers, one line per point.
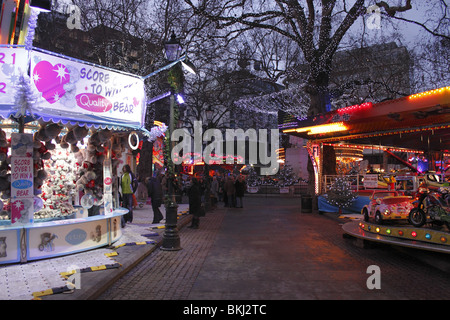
pixel 79 91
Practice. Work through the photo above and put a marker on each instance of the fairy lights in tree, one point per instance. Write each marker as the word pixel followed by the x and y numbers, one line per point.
pixel 292 100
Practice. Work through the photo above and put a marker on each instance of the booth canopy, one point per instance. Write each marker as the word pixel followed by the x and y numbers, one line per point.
pixel 41 85
pixel 417 122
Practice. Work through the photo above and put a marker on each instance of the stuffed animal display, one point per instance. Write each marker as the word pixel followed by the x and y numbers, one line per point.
pixel 58 186
pixel 62 168
pixel 49 173
pixel 5 176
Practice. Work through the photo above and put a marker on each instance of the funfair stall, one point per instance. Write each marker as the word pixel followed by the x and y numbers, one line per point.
pixel 415 130
pixel 416 125
pixel 66 127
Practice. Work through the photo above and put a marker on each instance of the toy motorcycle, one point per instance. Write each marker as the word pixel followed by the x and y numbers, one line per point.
pixel 433 205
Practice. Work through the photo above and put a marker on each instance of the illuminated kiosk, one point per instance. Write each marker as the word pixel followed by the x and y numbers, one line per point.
pixel 76 122
pixel 418 124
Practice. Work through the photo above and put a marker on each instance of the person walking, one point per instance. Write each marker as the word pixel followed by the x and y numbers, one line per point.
pixel 195 203
pixel 126 183
pixel 214 192
pixel 220 192
pixel 230 190
pixel 155 192
pixel 141 192
pixel 240 186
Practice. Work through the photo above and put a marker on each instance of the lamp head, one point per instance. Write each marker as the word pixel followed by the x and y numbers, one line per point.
pixel 172 48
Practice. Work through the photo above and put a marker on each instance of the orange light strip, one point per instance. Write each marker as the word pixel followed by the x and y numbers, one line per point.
pixel 428 93
pixel 323 128
pixel 379 134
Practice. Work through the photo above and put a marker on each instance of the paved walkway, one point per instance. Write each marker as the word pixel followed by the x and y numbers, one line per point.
pixel 23 281
pixel 270 251
pixel 265 251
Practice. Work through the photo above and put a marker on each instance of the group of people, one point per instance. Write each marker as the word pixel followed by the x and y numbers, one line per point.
pixel 229 189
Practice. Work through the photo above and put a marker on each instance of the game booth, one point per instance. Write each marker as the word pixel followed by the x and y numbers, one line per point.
pixel 394 205
pixel 67 126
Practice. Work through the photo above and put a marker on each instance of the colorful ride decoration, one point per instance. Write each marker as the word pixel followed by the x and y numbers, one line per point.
pixel 408 233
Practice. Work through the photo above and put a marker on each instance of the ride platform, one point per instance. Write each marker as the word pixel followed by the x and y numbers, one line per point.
pixel 406 236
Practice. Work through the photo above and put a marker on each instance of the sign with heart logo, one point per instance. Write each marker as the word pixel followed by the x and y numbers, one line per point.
pixel 81 91
pixel 50 80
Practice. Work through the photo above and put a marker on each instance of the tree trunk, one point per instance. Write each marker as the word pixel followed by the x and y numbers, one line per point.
pixel 317 88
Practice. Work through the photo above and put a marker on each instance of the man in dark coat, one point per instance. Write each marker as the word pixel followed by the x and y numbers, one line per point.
pixel 195 203
pixel 156 194
pixel 240 186
pixel 230 190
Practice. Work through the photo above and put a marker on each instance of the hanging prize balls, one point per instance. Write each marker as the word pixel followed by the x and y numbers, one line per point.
pixel 133 140
pixel 87 201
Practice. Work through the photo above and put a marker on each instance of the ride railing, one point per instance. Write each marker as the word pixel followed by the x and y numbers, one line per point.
pixel 404 183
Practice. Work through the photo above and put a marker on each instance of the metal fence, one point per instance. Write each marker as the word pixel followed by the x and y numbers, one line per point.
pixel 297 189
pixel 404 183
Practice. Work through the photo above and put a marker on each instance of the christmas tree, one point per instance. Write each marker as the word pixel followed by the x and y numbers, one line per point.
pixel 340 193
pixel 252 179
pixel 25 97
pixel 286 176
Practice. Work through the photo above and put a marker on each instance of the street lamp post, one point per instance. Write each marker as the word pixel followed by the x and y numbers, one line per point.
pixel 207 199
pixel 171 237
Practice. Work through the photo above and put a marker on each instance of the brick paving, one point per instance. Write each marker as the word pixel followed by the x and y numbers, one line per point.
pixel 271 251
pixel 20 281
pixel 169 274
pixel 266 251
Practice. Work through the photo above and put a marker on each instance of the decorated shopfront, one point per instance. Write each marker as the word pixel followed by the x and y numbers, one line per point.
pixel 67 128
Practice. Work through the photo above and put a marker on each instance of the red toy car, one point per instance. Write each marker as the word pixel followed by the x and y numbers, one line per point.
pixel 387 205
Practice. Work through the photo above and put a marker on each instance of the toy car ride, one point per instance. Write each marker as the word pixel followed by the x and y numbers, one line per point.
pixel 387 205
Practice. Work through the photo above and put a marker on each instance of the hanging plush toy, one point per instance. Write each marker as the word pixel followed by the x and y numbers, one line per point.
pixel 5 187
pixel 53 176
